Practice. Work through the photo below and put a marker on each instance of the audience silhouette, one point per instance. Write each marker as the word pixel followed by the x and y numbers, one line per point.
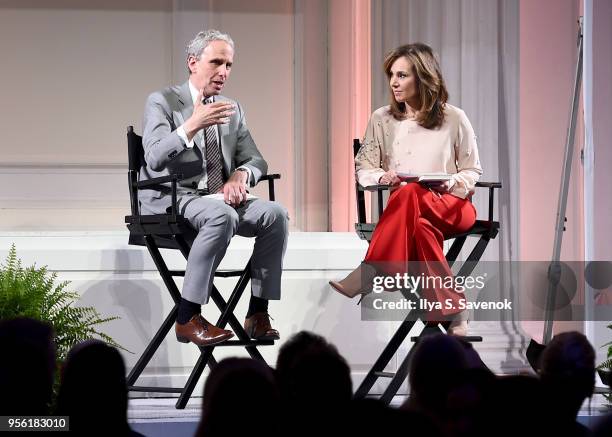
pixel 567 372
pixel 27 367
pixel 315 384
pixel 93 392
pixel 437 362
pixel 452 392
pixel 240 397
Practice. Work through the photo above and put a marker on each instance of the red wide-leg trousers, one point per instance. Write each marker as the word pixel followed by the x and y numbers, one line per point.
pixel 412 228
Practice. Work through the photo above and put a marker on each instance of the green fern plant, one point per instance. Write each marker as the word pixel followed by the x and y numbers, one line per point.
pixel 607 364
pixel 605 368
pixel 33 292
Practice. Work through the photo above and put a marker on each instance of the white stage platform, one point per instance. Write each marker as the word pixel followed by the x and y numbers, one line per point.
pixel 121 280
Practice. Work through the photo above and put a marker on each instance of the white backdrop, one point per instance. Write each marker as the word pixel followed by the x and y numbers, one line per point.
pixel 76 73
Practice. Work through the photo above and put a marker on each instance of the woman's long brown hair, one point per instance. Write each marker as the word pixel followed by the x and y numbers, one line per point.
pixel 430 84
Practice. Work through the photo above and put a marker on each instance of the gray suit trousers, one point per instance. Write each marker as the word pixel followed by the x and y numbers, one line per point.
pixel 216 223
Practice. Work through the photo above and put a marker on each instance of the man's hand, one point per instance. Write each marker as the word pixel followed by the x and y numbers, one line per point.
pixel 389 178
pixel 234 190
pixel 207 115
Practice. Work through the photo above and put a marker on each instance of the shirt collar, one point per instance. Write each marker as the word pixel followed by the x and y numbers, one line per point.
pixel 194 93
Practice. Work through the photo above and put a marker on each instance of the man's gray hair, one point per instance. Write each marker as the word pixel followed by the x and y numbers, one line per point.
pixel 197 45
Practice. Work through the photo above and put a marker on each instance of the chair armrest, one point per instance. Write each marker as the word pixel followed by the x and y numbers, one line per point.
pixel 381 188
pixel 489 184
pixel 360 189
pixel 156 181
pixel 270 179
pixel 386 187
pixel 373 187
pixel 172 178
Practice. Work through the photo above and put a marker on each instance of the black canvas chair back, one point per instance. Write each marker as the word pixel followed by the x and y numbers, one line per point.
pixel 484 230
pixel 162 228
pixel 135 161
pixel 173 231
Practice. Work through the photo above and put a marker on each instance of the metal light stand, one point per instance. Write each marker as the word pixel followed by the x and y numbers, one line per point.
pixel 554 270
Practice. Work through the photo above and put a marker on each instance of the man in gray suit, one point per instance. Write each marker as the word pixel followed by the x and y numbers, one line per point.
pixel 191 129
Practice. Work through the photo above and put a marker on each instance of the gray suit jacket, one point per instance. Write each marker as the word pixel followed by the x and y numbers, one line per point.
pixel 165 152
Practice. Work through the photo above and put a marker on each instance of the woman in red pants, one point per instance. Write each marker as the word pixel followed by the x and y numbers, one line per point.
pixel 419 132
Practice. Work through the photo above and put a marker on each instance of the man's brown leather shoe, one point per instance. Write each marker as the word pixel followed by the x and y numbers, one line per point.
pixel 201 332
pixel 258 327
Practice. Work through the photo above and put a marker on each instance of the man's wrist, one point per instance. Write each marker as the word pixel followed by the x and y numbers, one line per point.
pixel 190 131
pixel 246 174
pixel 180 131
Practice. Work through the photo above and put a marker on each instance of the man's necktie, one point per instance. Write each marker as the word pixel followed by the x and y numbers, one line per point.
pixel 213 159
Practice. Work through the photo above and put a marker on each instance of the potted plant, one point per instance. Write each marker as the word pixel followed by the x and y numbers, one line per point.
pixel 33 292
pixel 605 369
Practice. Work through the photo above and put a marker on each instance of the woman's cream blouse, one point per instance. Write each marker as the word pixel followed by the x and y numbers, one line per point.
pixel 404 146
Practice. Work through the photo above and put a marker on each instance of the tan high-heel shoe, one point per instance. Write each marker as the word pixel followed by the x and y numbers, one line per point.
pixel 359 281
pixel 459 325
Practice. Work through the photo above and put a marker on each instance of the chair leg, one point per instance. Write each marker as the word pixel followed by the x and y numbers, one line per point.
pixel 152 347
pixel 204 358
pixel 235 324
pixel 183 246
pixel 163 269
pixel 227 309
pixel 453 252
pixel 466 269
pixel 384 358
pixel 400 376
pixel 479 249
pixel 227 316
pixel 474 257
pixel 163 330
pixel 404 367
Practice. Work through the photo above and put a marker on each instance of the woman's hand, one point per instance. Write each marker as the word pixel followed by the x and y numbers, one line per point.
pixel 389 178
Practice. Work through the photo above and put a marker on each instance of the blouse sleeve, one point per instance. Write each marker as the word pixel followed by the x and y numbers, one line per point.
pixel 368 162
pixel 468 163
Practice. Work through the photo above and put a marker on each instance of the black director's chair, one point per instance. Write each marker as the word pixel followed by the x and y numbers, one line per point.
pixel 173 231
pixel 485 230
